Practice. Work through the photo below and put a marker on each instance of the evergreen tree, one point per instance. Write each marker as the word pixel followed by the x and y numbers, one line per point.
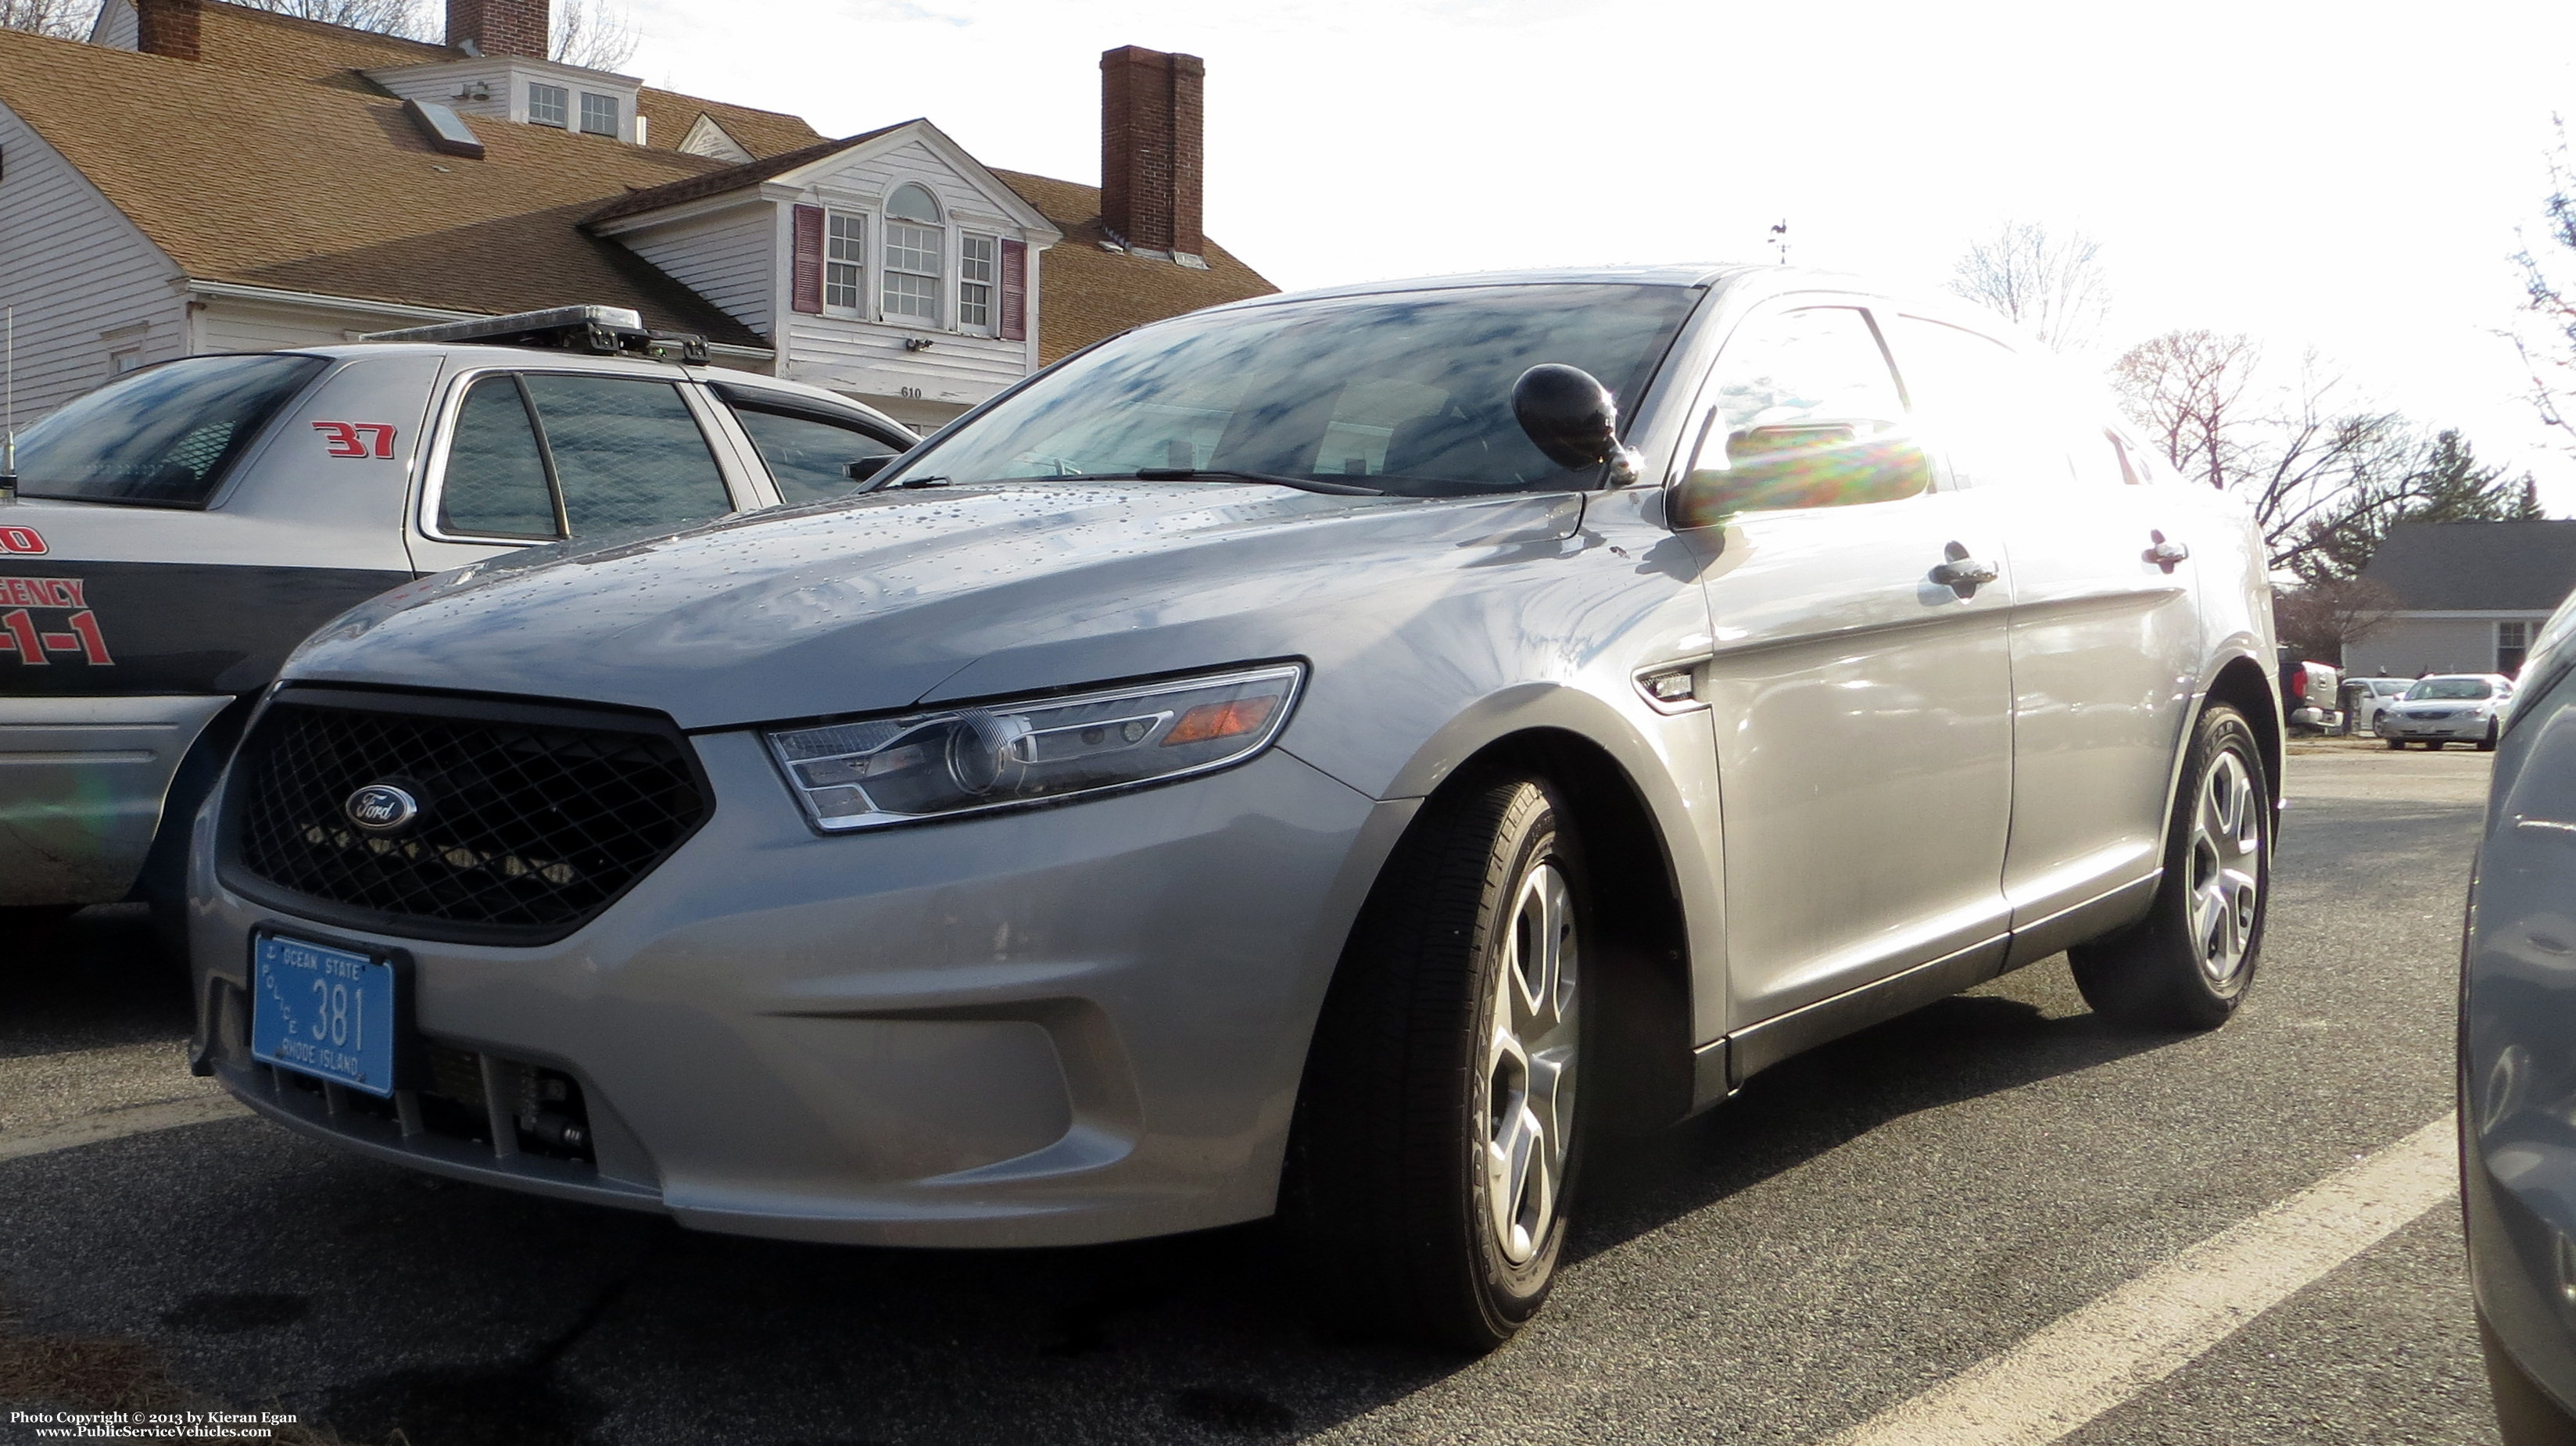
pixel 2444 482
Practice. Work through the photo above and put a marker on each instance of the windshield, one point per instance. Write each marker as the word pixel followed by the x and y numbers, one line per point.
pixel 1407 393
pixel 163 436
pixel 2449 688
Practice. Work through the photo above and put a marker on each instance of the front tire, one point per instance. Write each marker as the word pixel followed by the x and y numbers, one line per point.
pixel 2398 744
pixel 2188 963
pixel 1435 1141
pixel 2488 743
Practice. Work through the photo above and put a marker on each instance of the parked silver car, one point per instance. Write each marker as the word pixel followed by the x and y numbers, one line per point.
pixel 182 528
pixel 1315 756
pixel 2449 708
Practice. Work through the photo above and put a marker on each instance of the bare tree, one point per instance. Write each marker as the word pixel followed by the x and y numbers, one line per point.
pixel 63 19
pixel 2289 448
pixel 594 34
pixel 2547 340
pixel 2187 388
pixel 2054 287
pixel 2321 619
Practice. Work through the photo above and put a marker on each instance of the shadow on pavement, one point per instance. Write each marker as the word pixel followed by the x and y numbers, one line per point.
pixel 376 1301
pixel 98 977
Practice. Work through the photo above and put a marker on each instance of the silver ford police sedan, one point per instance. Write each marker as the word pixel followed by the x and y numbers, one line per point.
pixel 181 528
pixel 1321 756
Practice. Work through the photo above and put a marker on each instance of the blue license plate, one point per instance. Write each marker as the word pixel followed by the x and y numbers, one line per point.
pixel 323 1011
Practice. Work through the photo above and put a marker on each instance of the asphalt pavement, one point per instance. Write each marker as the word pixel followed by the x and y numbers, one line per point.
pixel 1860 1226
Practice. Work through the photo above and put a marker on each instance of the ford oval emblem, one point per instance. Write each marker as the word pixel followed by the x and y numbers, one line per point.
pixel 382 808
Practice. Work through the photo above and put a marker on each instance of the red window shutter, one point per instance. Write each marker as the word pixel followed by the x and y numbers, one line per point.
pixel 1015 291
pixel 806 273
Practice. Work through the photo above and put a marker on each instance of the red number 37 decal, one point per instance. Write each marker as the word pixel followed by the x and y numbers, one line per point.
pixel 351 439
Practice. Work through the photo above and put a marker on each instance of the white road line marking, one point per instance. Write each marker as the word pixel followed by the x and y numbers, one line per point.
pixel 117 1124
pixel 2083 1364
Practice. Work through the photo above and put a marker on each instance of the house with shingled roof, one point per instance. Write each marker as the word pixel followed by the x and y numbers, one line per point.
pixel 206 177
pixel 2470 596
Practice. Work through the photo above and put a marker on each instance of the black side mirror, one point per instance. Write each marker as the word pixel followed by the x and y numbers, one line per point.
pixel 867 467
pixel 1802 465
pixel 1572 419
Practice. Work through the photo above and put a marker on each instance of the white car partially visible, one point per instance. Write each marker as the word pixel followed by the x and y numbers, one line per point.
pixel 2371 697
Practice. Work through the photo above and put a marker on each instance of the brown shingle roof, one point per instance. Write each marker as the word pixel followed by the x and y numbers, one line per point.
pixel 243 38
pixel 761 132
pixel 333 190
pixel 731 178
pixel 242 174
pixel 238 37
pixel 1086 293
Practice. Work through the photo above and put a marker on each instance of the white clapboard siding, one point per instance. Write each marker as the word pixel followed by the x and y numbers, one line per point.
pixel 730 259
pixel 870 178
pixel 449 83
pixel 226 324
pixel 83 283
pixel 868 359
pixel 118 26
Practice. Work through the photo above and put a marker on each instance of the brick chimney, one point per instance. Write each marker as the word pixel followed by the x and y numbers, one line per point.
pixel 500 27
pixel 167 27
pixel 1152 149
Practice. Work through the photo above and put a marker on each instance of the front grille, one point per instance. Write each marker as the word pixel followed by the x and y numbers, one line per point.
pixel 530 819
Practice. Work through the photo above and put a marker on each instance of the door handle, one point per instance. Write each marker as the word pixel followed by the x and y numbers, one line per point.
pixel 1961 573
pixel 2165 554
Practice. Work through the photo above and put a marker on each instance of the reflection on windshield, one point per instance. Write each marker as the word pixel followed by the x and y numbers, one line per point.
pixel 2450 688
pixel 1410 392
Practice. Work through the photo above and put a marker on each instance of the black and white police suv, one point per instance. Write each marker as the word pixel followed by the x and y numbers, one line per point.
pixel 177 532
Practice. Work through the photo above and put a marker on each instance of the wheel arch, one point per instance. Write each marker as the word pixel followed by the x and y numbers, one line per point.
pixel 1638 957
pixel 2247 686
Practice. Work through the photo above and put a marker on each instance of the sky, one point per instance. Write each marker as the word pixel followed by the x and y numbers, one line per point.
pixel 2345 179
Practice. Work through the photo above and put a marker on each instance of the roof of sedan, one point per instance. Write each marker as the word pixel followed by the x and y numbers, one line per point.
pixel 1669 275
pixel 2477 566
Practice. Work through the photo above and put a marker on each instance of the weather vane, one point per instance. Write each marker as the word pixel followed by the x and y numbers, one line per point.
pixel 1780 238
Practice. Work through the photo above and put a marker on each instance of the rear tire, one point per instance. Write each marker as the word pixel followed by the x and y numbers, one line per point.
pixel 2188 963
pixel 1435 1141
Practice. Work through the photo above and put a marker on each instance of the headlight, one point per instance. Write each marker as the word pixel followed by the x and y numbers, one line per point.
pixel 966 760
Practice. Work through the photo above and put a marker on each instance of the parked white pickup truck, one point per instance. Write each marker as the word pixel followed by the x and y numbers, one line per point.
pixel 2311 695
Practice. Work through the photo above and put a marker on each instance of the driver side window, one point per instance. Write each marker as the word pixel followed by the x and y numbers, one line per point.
pixel 1802 412
pixel 1814 376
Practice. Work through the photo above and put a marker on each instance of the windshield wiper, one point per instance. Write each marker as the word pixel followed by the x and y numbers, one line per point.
pixel 1275 479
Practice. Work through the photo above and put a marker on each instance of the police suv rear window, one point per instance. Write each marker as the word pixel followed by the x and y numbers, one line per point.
pixel 162 437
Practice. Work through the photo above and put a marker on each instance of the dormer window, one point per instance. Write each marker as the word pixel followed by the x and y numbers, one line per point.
pixel 546 105
pixel 914 247
pixel 598 114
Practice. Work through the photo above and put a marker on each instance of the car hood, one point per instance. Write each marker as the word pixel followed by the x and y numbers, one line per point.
pixel 874 604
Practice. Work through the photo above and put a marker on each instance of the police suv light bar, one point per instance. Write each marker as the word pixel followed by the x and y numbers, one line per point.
pixel 601 330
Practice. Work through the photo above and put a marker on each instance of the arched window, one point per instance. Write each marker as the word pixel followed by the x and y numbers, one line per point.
pixel 914 249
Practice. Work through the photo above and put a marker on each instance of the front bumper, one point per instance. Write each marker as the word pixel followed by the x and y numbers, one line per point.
pixel 82 780
pixel 2458 728
pixel 1048 1027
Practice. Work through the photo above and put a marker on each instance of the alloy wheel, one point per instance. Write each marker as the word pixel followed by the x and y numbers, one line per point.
pixel 2226 867
pixel 1531 1035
